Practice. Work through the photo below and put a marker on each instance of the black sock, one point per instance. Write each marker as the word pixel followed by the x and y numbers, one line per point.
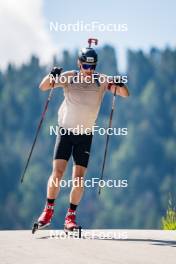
pixel 73 206
pixel 50 201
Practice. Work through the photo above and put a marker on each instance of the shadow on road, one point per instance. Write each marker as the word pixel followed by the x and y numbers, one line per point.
pixel 155 242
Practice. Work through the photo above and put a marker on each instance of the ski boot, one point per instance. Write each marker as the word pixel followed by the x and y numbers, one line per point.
pixel 45 218
pixel 70 225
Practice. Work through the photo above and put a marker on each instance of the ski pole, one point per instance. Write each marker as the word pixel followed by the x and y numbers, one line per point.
pixel 107 138
pixel 38 130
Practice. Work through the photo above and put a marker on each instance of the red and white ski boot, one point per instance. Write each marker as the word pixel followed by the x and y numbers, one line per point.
pixel 70 224
pixel 45 218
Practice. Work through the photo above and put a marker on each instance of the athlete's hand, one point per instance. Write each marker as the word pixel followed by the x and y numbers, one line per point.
pixel 56 71
pixel 120 84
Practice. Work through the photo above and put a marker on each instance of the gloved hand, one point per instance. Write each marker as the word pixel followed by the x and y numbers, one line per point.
pixel 56 71
pixel 120 84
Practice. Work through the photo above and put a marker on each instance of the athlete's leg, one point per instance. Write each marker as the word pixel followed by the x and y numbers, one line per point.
pixel 53 186
pixel 78 184
pixel 62 153
pixel 81 153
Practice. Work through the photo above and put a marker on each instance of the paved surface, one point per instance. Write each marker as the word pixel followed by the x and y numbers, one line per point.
pixel 98 246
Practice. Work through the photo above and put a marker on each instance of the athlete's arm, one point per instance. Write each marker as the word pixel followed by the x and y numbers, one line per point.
pixel 47 82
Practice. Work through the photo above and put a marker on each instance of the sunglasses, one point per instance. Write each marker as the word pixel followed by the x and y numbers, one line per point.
pixel 88 66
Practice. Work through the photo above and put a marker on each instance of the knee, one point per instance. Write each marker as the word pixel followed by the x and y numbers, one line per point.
pixel 78 176
pixel 57 172
pixel 78 181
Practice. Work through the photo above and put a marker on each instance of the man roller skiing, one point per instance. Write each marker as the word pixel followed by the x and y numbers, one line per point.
pixel 79 109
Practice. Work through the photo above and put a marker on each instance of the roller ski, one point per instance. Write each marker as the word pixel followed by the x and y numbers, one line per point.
pixel 70 226
pixel 45 218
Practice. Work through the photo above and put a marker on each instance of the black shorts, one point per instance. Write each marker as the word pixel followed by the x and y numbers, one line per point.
pixel 76 145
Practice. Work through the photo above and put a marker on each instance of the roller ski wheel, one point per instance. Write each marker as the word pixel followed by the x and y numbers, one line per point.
pixel 76 231
pixel 38 226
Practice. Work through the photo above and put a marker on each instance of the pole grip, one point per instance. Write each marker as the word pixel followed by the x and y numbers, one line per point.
pixel 91 41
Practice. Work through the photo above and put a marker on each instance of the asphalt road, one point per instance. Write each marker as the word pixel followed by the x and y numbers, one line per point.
pixel 96 246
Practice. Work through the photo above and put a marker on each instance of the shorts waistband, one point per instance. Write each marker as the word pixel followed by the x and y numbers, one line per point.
pixel 66 131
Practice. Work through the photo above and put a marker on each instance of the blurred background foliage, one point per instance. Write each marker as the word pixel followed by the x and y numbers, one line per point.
pixel 145 157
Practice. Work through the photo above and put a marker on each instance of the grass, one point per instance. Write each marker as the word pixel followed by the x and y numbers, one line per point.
pixel 169 220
